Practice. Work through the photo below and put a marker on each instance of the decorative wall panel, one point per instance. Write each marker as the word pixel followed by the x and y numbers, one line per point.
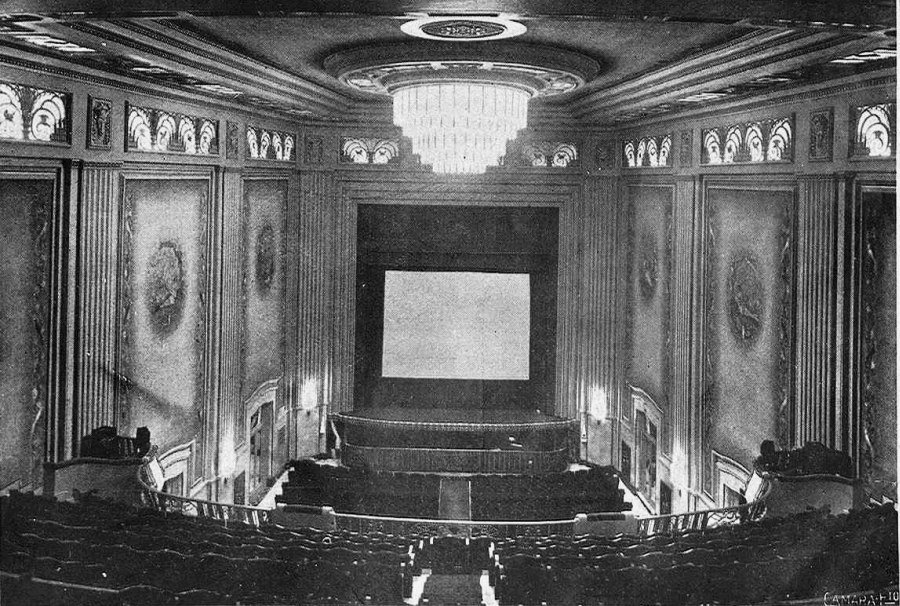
pixel 878 346
pixel 156 130
pixel 33 114
pixel 267 144
pixel 265 208
pixel 749 142
pixel 748 321
pixel 649 269
pixel 164 307
pixel 26 206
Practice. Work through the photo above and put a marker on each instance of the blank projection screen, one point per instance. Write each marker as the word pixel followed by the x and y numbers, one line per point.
pixel 456 325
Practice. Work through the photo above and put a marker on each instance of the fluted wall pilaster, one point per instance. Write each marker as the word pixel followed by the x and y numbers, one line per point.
pixel 682 326
pixel 569 314
pixel 596 228
pixel 817 382
pixel 231 414
pixel 95 389
pixel 325 305
pixel 343 301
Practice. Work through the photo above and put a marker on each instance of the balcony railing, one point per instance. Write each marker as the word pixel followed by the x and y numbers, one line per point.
pixel 707 518
pixel 663 524
pixel 168 503
pixel 460 528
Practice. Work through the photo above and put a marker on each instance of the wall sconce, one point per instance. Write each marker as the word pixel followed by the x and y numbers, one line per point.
pixel 227 459
pixel 599 402
pixel 309 394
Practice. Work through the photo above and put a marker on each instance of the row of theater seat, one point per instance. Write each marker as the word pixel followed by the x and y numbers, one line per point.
pixel 151 558
pixel 144 557
pixel 799 557
pixel 493 497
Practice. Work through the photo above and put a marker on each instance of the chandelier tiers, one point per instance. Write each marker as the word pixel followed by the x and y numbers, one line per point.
pixel 458 108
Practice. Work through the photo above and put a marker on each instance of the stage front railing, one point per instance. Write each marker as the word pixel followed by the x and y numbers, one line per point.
pixel 461 528
pixel 707 518
pixel 169 503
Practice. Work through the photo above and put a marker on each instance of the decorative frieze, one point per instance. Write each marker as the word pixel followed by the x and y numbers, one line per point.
pixel 874 131
pixel 652 152
pixel 35 115
pixel 232 140
pixel 749 142
pixel 267 144
pixel 159 131
pixel 605 155
pixel 314 149
pixel 363 150
pixel 686 152
pixel 554 154
pixel 99 123
pixel 821 134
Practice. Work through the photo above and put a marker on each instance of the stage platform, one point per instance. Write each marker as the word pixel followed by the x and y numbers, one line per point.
pixel 456 440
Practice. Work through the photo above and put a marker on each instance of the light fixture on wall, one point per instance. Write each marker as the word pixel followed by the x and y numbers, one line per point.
pixel 459 108
pixel 309 394
pixel 227 459
pixel 599 402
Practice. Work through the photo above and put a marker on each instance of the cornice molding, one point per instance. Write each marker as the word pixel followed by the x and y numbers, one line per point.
pixel 78 73
pixel 202 46
pixel 723 109
pixel 271 81
pixel 734 49
pixel 684 79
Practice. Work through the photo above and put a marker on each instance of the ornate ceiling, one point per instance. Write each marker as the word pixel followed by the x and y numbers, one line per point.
pixel 611 64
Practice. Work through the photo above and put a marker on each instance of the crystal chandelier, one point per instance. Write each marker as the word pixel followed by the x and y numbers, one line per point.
pixel 460 127
pixel 459 103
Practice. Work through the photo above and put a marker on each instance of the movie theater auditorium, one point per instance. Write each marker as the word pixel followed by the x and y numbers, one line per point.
pixel 360 303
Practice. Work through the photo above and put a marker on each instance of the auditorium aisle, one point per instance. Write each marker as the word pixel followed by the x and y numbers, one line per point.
pixel 452 590
pixel 456 499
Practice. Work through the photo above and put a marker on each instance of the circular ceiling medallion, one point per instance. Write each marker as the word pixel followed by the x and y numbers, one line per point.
pixel 469 29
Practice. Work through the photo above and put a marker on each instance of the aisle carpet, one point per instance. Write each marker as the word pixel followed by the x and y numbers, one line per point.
pixel 452 590
pixel 455 500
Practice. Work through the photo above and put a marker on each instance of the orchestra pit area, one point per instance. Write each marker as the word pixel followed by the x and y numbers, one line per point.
pixel 554 496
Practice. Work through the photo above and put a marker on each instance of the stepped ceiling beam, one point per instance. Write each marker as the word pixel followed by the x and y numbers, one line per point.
pixel 651 57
